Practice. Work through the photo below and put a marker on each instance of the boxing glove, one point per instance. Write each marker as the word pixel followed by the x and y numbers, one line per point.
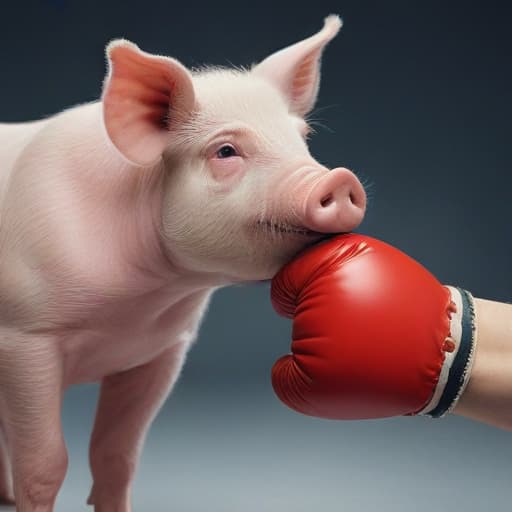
pixel 374 333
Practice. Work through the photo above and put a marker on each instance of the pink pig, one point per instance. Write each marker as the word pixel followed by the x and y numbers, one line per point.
pixel 119 219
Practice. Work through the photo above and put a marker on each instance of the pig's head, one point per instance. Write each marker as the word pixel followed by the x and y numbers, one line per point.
pixel 241 193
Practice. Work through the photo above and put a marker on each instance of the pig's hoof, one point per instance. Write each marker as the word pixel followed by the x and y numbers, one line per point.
pixel 6 499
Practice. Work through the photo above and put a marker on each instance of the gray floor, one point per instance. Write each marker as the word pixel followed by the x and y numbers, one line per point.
pixel 220 451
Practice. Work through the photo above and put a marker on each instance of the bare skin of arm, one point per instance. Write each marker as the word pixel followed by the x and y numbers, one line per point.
pixel 488 396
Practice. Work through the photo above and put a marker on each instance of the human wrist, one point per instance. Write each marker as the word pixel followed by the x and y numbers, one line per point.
pixel 459 350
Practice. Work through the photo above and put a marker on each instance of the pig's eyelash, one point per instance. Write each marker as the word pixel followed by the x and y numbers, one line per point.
pixel 215 146
pixel 230 136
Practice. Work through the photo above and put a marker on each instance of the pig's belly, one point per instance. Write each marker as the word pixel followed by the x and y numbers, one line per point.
pixel 89 354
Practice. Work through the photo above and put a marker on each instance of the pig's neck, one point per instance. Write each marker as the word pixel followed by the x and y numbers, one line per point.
pixel 126 201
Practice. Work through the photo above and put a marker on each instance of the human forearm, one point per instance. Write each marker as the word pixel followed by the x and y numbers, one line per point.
pixel 488 396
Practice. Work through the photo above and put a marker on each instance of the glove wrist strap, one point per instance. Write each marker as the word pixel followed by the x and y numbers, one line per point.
pixel 458 362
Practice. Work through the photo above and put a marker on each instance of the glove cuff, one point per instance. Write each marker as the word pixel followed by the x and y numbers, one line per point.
pixel 459 355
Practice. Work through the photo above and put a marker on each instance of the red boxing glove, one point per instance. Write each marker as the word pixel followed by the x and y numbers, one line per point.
pixel 374 333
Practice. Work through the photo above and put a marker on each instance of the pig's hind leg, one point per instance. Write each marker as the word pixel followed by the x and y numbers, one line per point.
pixel 128 403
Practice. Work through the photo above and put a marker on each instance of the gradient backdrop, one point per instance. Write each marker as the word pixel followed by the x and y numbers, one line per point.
pixel 416 98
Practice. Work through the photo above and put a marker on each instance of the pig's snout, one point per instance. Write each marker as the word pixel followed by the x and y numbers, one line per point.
pixel 336 204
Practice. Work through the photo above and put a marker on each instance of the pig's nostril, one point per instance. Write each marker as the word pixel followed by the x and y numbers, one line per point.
pixel 327 200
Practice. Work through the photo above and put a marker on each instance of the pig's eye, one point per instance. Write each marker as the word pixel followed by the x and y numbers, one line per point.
pixel 226 151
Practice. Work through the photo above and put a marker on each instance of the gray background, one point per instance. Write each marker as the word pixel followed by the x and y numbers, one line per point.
pixel 415 98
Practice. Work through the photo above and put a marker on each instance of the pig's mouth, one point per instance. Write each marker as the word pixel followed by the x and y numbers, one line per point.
pixel 270 227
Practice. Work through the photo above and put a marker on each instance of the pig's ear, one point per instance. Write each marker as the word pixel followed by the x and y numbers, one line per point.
pixel 295 70
pixel 144 97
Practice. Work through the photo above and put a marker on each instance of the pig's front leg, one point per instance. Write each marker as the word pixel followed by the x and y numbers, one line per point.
pixel 6 488
pixel 128 403
pixel 31 396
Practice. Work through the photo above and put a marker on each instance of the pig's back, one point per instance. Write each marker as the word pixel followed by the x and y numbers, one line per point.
pixel 13 139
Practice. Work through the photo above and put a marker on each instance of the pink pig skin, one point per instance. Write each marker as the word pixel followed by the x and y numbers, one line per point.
pixel 119 219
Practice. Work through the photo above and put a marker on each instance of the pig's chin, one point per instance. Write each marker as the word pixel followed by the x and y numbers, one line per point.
pixel 281 242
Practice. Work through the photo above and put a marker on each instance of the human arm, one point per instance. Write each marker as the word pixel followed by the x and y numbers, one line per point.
pixel 488 395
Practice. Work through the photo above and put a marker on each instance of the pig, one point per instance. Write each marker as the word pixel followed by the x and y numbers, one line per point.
pixel 119 219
